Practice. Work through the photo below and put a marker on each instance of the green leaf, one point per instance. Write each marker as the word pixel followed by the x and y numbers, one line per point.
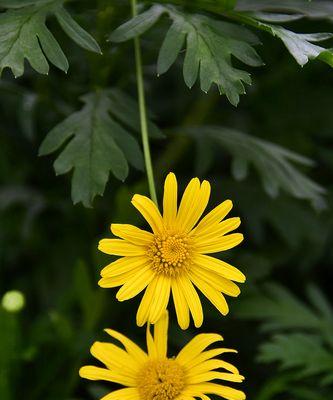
pixel 300 45
pixel 137 25
pixel 313 9
pixel 75 32
pixel 210 46
pixel 98 141
pixel 26 36
pixel 273 163
pixel 300 351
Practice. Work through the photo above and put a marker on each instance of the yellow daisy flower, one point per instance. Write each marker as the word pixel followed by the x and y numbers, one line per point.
pixel 154 376
pixel 173 257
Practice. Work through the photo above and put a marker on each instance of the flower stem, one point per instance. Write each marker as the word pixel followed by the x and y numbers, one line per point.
pixel 143 112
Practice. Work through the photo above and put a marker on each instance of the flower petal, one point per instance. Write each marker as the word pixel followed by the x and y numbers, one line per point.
pixel 122 265
pixel 181 306
pixel 170 200
pixel 161 335
pixel 207 355
pixel 217 230
pixel 210 365
pixel 118 280
pixel 95 374
pixel 192 299
pixel 193 204
pixel 212 375
pixel 132 234
pixel 144 307
pixel 219 283
pixel 118 247
pixel 196 346
pixel 116 359
pixel 215 297
pixel 219 267
pixel 136 283
pixel 133 349
pixel 149 211
pixel 161 298
pixel 123 394
pixel 226 392
pixel 220 244
pixel 214 216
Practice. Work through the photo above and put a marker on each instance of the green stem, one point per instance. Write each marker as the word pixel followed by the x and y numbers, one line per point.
pixel 143 113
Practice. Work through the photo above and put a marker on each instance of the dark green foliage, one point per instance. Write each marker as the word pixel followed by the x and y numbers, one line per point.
pixel 209 46
pixel 25 36
pixel 99 142
pixel 272 162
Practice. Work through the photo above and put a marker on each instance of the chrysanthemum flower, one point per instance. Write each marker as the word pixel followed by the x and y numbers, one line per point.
pixel 173 257
pixel 194 372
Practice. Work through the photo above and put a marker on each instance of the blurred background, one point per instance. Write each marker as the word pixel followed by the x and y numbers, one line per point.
pixel 282 323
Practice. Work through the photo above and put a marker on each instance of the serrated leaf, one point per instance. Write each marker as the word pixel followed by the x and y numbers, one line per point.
pixel 300 351
pixel 273 163
pixel 25 36
pixel 96 144
pixel 300 45
pixel 210 46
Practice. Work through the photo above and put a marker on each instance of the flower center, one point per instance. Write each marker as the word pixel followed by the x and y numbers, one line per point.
pixel 170 253
pixel 161 380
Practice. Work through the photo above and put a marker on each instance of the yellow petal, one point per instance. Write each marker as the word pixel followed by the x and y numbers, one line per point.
pixel 181 306
pixel 151 346
pixel 136 283
pixel 226 392
pixel 214 216
pixel 118 247
pixel 210 365
pixel 120 279
pixel 144 307
pixel 161 335
pixel 215 297
pixel 132 234
pixel 95 374
pixel 207 355
pixel 149 211
pixel 196 346
pixel 217 230
pixel 114 281
pixel 219 267
pixel 116 359
pixel 221 244
pixel 123 394
pixel 133 349
pixel 193 204
pixel 170 200
pixel 161 298
pixel 219 283
pixel 192 299
pixel 122 265
pixel 212 375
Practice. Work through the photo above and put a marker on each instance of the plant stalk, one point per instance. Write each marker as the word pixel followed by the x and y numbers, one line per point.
pixel 143 112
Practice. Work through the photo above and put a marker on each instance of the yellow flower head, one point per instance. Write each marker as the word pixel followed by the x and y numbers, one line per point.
pixel 173 257
pixel 194 372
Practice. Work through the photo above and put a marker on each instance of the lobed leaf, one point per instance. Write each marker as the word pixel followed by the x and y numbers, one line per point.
pixel 301 46
pixel 273 163
pixel 210 45
pixel 24 35
pixel 97 140
pixel 300 351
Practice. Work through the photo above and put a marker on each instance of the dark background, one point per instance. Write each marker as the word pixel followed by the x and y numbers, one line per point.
pixel 48 247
